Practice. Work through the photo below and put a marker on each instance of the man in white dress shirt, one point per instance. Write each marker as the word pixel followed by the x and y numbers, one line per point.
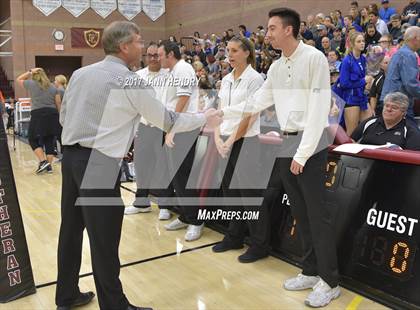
pixel 298 86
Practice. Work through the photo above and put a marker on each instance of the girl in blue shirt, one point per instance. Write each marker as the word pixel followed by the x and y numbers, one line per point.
pixel 352 83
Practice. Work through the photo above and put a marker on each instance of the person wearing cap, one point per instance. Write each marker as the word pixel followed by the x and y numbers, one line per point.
pixel 385 12
pixel 395 27
pixel 322 32
pixel 338 43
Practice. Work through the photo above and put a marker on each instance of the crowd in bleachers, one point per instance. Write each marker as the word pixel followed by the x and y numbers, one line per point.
pixel 379 29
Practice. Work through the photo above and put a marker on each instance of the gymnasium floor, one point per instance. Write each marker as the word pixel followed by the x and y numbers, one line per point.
pixel 160 269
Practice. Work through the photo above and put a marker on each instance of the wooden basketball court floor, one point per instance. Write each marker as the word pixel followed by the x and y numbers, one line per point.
pixel 160 269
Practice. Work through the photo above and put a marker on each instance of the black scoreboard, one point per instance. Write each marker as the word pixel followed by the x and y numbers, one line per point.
pixel 376 205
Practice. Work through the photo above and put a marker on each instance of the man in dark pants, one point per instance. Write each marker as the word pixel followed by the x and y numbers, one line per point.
pixel 298 84
pixel 180 148
pixel 100 112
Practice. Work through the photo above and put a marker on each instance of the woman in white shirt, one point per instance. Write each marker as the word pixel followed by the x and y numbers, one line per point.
pixel 238 147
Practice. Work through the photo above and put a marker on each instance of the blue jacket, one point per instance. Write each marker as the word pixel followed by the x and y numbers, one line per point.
pixel 352 80
pixel 385 15
pixel 402 76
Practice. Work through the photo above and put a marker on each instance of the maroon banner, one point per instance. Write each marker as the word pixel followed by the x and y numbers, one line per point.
pixel 16 279
pixel 86 37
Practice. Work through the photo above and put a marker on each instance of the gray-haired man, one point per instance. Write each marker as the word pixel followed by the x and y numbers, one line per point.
pixel 101 109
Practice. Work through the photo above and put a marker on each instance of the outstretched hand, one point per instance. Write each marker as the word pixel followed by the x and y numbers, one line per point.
pixel 213 118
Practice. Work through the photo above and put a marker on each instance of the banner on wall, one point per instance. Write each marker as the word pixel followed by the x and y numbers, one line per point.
pixel 154 8
pixel 46 6
pixel 129 8
pixel 103 7
pixel 16 278
pixel 76 7
pixel 86 37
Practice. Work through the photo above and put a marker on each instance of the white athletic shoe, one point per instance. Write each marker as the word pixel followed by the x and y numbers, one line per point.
pixel 301 282
pixel 133 210
pixel 322 295
pixel 175 225
pixel 194 232
pixel 164 214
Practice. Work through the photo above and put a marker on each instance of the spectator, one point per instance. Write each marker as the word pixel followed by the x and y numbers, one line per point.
pixel 230 34
pixel 364 18
pixel 338 43
pixel 372 36
pixel 322 32
pixel 260 31
pixel 330 26
pixel 304 32
pixel 354 5
pixel 198 51
pixel 395 27
pixel 326 46
pixel 348 22
pixel 242 31
pixel 380 25
pixel 334 60
pixel 411 12
pixel 352 83
pixel 385 12
pixel 213 66
pixel 339 20
pixel 356 16
pixel 391 126
pixel 225 37
pixel 312 26
pixel 403 70
pixel 386 43
pixel 377 85
pixel 172 39
pixel 373 7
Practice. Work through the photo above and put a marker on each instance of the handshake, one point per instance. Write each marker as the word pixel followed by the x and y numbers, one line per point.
pixel 213 117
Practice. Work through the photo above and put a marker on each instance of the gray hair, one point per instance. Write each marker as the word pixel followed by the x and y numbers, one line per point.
pixel 117 33
pixel 398 98
pixel 411 33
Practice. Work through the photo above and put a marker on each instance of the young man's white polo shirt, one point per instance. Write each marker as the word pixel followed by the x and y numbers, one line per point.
pixel 234 92
pixel 155 79
pixel 181 81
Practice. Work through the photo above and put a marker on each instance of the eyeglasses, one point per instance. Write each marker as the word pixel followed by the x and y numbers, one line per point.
pixel 385 41
pixel 152 55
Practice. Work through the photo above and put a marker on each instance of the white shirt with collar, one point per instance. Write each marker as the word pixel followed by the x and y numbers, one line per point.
pixel 183 74
pixel 150 76
pixel 381 27
pixel 299 87
pixel 233 92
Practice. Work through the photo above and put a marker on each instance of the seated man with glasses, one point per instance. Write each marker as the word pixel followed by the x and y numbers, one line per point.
pixel 390 127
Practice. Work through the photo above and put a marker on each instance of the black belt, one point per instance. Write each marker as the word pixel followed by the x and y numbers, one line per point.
pixel 287 134
pixel 76 146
